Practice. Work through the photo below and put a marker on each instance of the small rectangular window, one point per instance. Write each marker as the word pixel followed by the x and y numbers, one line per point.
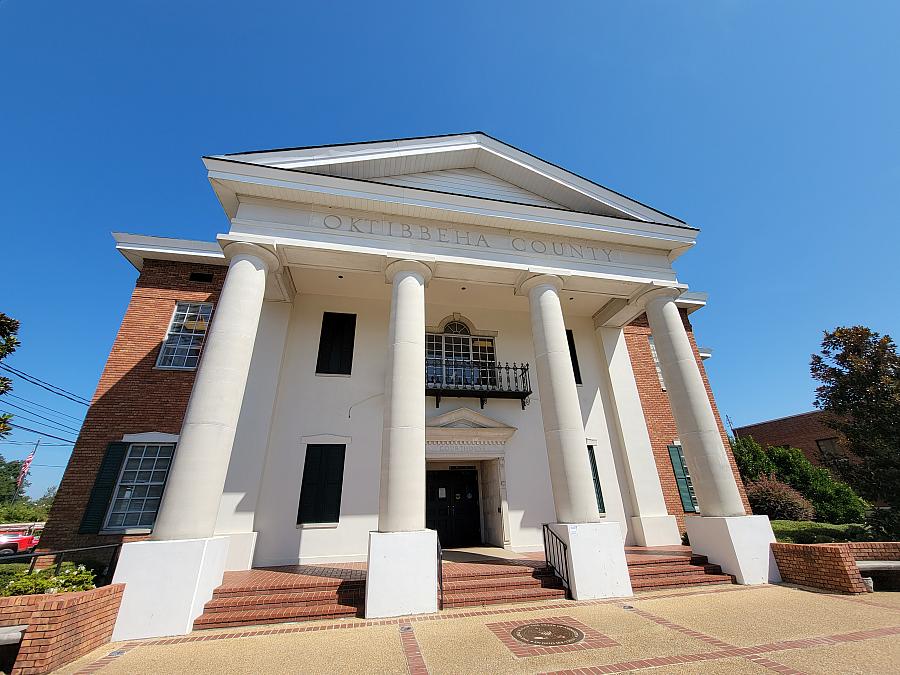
pixel 573 355
pixel 662 382
pixel 596 476
pixel 323 480
pixel 184 339
pixel 336 344
pixel 139 489
pixel 683 479
pixel 203 277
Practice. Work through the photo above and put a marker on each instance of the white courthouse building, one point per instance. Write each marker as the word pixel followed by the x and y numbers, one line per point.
pixel 405 341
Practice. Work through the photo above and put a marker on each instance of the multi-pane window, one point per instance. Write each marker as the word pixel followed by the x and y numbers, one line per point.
pixel 683 480
pixel 139 489
pixel 596 476
pixel 662 382
pixel 456 358
pixel 184 339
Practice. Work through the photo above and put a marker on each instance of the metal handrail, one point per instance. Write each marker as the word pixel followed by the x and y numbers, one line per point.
pixel 556 557
pixel 101 579
pixel 477 375
pixel 440 572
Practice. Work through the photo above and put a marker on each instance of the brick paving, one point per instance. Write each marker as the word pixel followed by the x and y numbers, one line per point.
pixel 592 639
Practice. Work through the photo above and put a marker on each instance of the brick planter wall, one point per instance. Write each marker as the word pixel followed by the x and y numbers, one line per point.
pixel 830 567
pixel 874 550
pixel 61 627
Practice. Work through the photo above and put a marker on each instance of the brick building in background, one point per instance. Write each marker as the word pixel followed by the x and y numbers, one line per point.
pixel 400 343
pixel 807 432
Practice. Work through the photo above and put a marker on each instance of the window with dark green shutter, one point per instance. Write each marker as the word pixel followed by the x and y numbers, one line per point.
pixel 104 484
pixel 323 479
pixel 573 355
pixel 683 478
pixel 336 344
pixel 596 477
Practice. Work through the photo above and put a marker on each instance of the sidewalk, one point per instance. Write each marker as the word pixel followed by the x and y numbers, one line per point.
pixel 712 629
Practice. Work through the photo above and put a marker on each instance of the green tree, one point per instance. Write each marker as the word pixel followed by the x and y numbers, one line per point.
pixel 9 473
pixel 859 372
pixel 9 328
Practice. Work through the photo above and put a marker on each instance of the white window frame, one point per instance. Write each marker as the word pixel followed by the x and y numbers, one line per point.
pixel 169 333
pixel 652 343
pixel 110 510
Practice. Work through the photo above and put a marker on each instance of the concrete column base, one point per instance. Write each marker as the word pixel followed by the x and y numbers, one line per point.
pixel 739 544
pixel 655 530
pixel 241 546
pixel 166 585
pixel 596 560
pixel 401 576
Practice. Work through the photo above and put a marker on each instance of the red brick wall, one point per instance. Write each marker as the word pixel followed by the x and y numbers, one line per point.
pixel 874 550
pixel 658 413
pixel 132 396
pixel 797 431
pixel 61 628
pixel 830 567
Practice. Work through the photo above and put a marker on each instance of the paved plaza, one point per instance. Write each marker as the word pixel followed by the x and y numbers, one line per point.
pixel 710 629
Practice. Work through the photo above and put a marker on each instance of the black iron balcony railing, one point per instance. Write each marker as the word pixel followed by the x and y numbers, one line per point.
pixel 476 379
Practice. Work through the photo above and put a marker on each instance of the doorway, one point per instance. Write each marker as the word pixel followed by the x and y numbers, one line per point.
pixel 452 506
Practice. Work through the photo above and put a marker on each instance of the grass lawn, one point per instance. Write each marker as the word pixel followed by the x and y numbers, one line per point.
pixel 808 532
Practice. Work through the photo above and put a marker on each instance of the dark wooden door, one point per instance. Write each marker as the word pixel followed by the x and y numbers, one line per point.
pixel 452 508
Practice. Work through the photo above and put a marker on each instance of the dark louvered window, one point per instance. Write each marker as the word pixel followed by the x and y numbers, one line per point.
pixel 596 476
pixel 683 478
pixel 336 344
pixel 574 355
pixel 104 484
pixel 323 479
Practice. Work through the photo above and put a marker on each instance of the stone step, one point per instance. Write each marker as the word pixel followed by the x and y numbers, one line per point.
pixel 244 602
pixel 500 596
pixel 648 583
pixel 253 617
pixel 665 570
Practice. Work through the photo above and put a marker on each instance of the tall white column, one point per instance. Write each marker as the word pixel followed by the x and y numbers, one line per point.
pixel 197 476
pixel 701 441
pixel 401 571
pixel 570 471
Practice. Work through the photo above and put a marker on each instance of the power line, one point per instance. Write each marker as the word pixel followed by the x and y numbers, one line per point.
pixel 40 433
pixel 45 407
pixel 52 388
pixel 31 412
pixel 43 445
pixel 52 425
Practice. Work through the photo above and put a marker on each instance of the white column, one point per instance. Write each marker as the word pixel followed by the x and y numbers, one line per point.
pixel 401 572
pixel 738 542
pixel 704 451
pixel 197 477
pixel 570 470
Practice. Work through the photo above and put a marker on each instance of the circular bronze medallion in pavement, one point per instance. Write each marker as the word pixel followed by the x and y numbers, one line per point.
pixel 547 634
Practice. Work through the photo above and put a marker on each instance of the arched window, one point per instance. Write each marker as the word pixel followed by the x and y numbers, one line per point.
pixel 456 358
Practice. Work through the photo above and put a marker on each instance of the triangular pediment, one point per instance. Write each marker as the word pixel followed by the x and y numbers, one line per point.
pixel 465 425
pixel 472 165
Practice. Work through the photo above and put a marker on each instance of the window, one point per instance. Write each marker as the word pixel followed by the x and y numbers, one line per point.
pixel 596 477
pixel 662 382
pixel 457 358
pixel 323 479
pixel 683 478
pixel 574 355
pixel 140 486
pixel 202 277
pixel 828 447
pixel 184 339
pixel 336 344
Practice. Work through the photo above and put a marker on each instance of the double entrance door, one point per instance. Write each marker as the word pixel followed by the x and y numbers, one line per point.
pixel 452 508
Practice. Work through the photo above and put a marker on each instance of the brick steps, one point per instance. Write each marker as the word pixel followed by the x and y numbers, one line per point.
pixel 674 571
pixel 280 614
pixel 260 602
pixel 499 596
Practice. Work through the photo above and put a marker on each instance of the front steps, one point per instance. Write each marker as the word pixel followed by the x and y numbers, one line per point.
pixel 267 596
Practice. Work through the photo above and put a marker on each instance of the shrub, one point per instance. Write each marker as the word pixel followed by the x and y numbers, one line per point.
pixel 778 501
pixel 752 460
pixel 28 583
pixel 70 578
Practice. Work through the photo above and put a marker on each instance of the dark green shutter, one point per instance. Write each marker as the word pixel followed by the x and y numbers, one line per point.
pixel 573 355
pixel 682 477
pixel 336 344
pixel 596 476
pixel 102 492
pixel 323 479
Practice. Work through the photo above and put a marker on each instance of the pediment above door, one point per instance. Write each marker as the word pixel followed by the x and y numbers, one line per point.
pixel 464 425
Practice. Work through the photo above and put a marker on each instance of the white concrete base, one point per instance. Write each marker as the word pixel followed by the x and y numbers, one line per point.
pixel 401 576
pixel 241 546
pixel 655 531
pixel 596 558
pixel 739 544
pixel 166 585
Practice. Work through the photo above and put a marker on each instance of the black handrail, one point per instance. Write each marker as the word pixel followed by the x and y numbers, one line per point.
pixel 477 375
pixel 556 557
pixel 103 578
pixel 440 572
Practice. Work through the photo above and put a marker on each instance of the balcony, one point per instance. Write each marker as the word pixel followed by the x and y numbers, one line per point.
pixel 476 379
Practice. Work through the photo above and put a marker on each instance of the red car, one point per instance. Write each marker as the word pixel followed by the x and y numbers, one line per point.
pixel 12 543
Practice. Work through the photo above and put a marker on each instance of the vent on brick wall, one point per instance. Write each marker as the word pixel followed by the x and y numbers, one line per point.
pixel 205 277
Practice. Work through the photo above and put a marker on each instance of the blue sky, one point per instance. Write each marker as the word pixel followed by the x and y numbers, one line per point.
pixel 774 127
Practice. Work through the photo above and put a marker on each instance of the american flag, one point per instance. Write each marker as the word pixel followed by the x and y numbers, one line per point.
pixel 25 466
